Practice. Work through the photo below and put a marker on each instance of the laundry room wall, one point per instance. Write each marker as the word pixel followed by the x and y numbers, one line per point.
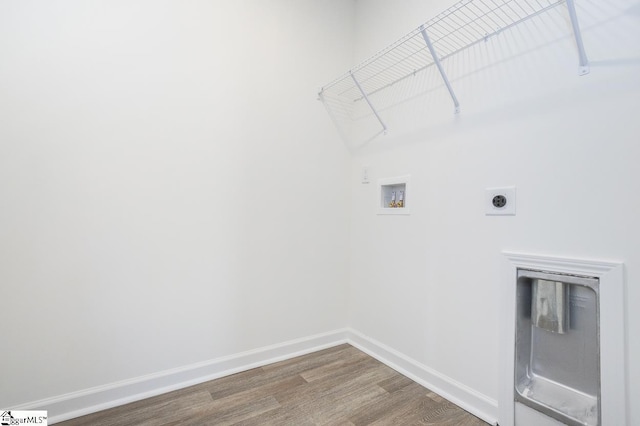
pixel 171 190
pixel 428 285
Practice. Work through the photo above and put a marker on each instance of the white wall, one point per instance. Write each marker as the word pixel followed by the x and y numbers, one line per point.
pixel 170 189
pixel 171 192
pixel 429 284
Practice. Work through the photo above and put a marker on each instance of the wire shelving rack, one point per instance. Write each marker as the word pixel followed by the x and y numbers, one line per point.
pixel 461 26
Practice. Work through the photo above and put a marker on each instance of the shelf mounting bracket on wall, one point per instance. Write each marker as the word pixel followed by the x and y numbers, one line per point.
pixel 584 62
pixel 436 60
pixel 366 98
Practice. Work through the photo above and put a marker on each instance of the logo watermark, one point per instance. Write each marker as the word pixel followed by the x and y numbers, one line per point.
pixel 17 417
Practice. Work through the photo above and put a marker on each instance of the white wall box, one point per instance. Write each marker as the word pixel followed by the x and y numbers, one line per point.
pixel 358 92
pixel 500 201
pixel 611 335
pixel 392 195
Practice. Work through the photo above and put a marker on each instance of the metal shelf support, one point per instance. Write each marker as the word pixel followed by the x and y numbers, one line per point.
pixel 584 62
pixel 366 98
pixel 436 60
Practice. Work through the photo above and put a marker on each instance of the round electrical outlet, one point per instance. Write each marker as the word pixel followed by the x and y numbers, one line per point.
pixel 499 201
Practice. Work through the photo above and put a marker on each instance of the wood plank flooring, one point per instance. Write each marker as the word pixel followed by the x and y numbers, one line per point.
pixel 337 386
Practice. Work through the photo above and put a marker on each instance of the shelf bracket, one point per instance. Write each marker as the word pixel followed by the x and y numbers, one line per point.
pixel 436 60
pixel 584 62
pixel 366 98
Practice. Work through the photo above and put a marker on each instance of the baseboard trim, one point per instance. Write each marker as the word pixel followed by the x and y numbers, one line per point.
pixel 76 404
pixel 465 397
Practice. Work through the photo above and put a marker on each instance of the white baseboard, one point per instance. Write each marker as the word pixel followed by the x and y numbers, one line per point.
pixel 76 404
pixel 469 399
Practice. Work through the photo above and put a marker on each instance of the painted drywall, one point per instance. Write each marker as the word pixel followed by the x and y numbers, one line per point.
pixel 428 285
pixel 171 191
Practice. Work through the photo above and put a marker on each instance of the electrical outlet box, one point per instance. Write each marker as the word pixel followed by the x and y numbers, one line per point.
pixel 500 201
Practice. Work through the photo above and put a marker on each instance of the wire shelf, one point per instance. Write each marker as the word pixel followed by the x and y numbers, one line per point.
pixel 457 28
pixel 354 96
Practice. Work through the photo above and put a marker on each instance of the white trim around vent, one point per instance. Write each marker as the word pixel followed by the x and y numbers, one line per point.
pixel 613 382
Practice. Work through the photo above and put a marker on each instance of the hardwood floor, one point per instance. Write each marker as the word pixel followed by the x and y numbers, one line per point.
pixel 337 386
